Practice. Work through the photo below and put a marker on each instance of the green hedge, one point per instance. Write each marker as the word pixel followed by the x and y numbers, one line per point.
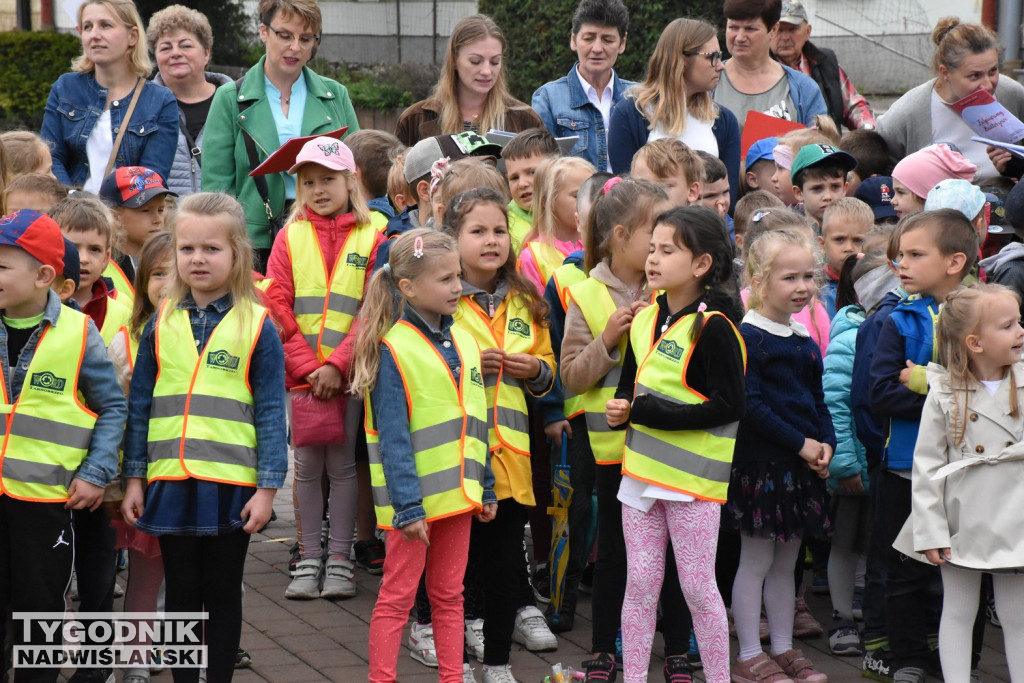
pixel 537 32
pixel 29 64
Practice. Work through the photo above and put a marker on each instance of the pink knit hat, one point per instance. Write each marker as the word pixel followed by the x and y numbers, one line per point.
pixel 925 168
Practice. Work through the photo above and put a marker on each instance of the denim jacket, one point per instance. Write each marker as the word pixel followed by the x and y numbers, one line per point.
pixel 76 102
pixel 266 377
pixel 565 110
pixel 391 417
pixel 97 383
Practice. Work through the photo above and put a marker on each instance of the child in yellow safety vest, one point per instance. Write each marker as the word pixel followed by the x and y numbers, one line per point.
pixel 321 264
pixel 681 394
pixel 208 425
pixel 426 432
pixel 509 321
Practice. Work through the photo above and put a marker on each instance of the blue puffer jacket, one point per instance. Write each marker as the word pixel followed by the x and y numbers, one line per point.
pixel 186 175
pixel 850 457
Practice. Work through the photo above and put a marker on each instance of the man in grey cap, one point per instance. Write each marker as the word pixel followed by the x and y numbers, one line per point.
pixel 791 46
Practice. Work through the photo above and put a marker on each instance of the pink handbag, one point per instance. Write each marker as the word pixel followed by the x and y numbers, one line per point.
pixel 317 422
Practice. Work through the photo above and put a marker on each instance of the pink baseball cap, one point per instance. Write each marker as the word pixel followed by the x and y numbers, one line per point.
pixel 927 167
pixel 327 152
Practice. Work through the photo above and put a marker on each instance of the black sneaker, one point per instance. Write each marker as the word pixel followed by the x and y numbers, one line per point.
pixel 542 584
pixel 296 555
pixel 370 556
pixel 678 670
pixel 877 665
pixel 559 621
pixel 243 660
pixel 601 669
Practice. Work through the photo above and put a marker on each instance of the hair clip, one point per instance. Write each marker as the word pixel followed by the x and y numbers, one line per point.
pixel 386 269
pixel 417 248
pixel 437 171
pixel 610 183
pixel 702 307
pixel 759 216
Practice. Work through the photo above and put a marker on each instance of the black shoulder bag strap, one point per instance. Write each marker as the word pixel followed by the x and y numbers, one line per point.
pixel 254 161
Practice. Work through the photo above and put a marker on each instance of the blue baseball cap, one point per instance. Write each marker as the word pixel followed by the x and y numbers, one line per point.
pixel 876 192
pixel 72 264
pixel 762 149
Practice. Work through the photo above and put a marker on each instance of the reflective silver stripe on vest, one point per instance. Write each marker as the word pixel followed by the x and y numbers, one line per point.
pixel 727 431
pixel 611 380
pixel 37 473
pixel 668 455
pixel 507 380
pixel 513 419
pixel 40 429
pixel 314 305
pixel 597 422
pixel 202 406
pixel 447 432
pixel 206 451
pixel 451 478
pixel 331 338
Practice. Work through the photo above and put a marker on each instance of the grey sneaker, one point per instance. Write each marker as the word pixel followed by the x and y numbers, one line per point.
pixel 910 674
pixel 499 674
pixel 467 674
pixel 338 579
pixel 306 584
pixel 844 639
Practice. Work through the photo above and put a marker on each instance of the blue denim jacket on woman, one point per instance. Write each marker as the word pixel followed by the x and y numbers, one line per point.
pixel 74 106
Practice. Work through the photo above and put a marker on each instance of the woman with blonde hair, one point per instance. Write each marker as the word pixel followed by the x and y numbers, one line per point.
pixel 104 114
pixel 674 101
pixel 471 93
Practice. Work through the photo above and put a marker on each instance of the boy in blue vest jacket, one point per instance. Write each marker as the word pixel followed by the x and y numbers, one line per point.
pixel 937 250
pixel 36 511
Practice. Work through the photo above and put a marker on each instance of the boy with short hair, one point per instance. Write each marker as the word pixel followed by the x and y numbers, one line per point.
pixel 819 178
pixel 936 251
pixel 674 166
pixel 137 197
pixel 58 454
pixel 374 152
pixel 844 224
pixel 715 192
pixel 522 155
pixel 36 191
pixel 870 150
pixel 759 167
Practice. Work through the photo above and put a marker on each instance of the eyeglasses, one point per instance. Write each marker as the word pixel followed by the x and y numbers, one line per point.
pixel 306 40
pixel 715 56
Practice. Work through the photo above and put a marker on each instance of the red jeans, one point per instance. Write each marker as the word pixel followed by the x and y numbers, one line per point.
pixel 446 566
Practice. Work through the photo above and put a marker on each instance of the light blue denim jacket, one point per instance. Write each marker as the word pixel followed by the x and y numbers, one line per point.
pixel 391 417
pixel 96 381
pixel 565 110
pixel 74 106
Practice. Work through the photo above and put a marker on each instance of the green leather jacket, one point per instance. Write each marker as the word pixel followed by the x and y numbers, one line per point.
pixel 225 163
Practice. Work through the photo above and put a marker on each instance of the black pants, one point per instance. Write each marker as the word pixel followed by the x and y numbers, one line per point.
pixel 95 562
pixel 913 591
pixel 205 573
pixel 873 601
pixel 36 555
pixel 610 576
pixel 580 459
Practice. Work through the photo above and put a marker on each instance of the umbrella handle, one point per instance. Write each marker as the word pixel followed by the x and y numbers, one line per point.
pixel 565 450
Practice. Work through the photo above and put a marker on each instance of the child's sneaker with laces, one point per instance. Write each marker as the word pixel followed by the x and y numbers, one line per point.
pixel 531 631
pixel 338 581
pixel 306 584
pixel 475 638
pixel 467 674
pixel 799 668
pixel 678 670
pixel 421 644
pixel 910 674
pixel 759 669
pixel 501 673
pixel 877 665
pixel 843 638
pixel 601 669
pixel 370 556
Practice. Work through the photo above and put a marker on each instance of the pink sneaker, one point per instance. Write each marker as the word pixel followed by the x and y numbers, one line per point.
pixel 759 669
pixel 799 668
pixel 804 623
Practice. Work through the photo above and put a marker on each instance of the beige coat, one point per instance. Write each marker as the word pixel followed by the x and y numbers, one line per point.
pixel 968 497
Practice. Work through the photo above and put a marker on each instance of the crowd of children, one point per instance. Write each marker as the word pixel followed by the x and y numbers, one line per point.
pixel 817 371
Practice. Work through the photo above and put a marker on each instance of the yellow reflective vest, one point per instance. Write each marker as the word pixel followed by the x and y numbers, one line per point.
pixel 48 429
pixel 447 425
pixel 378 220
pixel 202 422
pixel 507 423
pixel 695 462
pixel 596 304
pixel 122 285
pixel 119 312
pixel 547 257
pixel 565 276
pixel 326 302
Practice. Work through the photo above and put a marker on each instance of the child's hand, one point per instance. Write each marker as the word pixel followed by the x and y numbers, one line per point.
pixel 326 381
pixel 905 373
pixel 811 452
pixel 488 513
pixel 938 555
pixel 554 432
pixel 417 531
pixel 83 496
pixel 490 361
pixel 616 411
pixel 256 512
pixel 521 365
pixel 823 461
pixel 133 503
pixel 618 325
pixel 852 485
pixel 638 306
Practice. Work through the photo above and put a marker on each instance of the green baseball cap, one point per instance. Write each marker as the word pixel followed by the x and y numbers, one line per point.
pixel 812 155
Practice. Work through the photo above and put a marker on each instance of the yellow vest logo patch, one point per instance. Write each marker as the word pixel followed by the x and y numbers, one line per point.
pixel 357 261
pixel 669 349
pixel 519 327
pixel 222 360
pixel 48 382
pixel 475 377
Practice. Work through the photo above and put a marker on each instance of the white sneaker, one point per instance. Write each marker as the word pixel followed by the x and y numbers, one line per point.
pixel 499 674
pixel 532 631
pixel 338 579
pixel 475 638
pixel 421 644
pixel 467 674
pixel 306 584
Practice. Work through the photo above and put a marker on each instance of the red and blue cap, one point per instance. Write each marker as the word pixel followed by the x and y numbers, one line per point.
pixel 132 187
pixel 36 234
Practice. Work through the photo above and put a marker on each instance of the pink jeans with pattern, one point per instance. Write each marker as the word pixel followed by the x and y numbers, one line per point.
pixel 693 530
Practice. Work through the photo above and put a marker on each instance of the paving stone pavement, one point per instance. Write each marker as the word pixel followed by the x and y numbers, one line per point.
pixel 300 641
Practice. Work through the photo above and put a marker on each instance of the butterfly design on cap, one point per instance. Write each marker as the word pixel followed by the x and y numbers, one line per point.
pixel 330 149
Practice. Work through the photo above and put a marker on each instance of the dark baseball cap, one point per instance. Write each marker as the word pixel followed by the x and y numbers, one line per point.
pixel 133 187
